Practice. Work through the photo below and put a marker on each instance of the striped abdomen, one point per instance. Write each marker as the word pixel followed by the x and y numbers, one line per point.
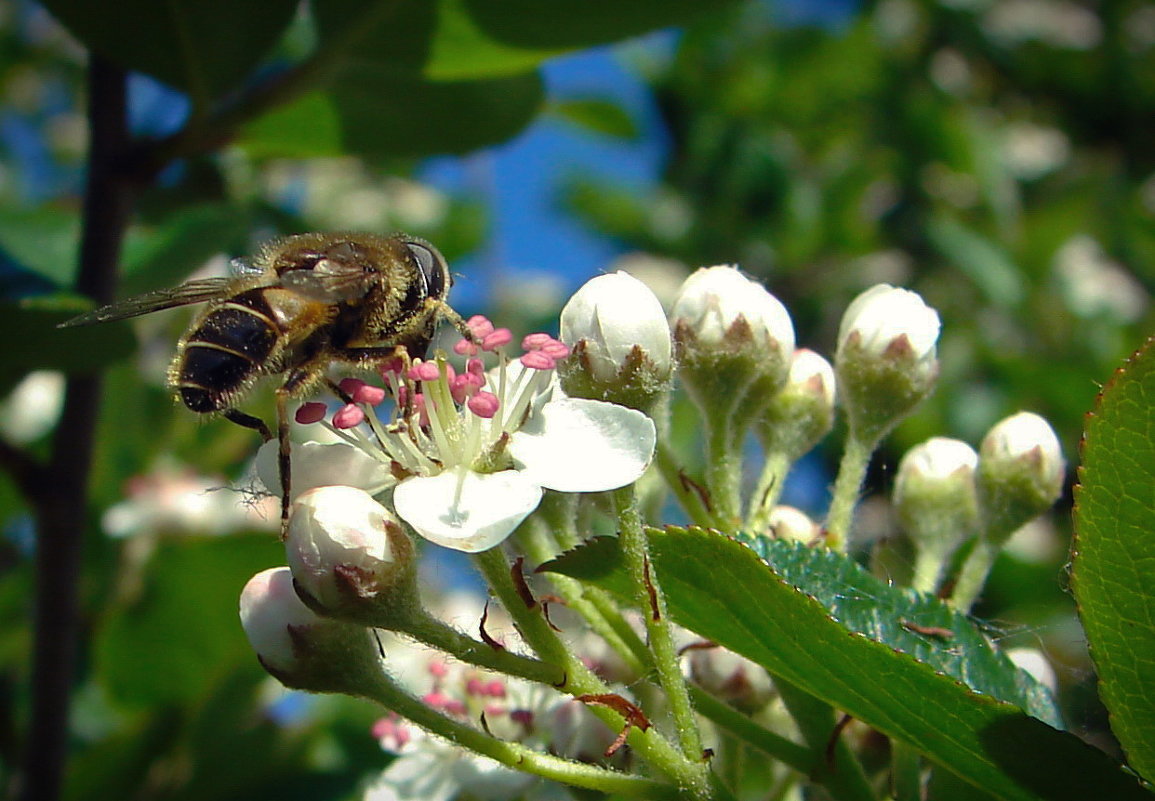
pixel 229 346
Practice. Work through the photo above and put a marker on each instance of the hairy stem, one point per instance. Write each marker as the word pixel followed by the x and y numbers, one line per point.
pixel 851 472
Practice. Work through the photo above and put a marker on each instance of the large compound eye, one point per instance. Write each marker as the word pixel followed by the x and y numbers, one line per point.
pixel 431 264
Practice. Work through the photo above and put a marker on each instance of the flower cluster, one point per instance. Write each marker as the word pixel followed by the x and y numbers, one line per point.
pixel 466 455
pixel 460 449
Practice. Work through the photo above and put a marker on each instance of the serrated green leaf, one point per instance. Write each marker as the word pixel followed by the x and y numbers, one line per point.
pixel 720 589
pixel 599 116
pixel 1114 552
pixel 203 47
pixel 151 650
pixel 35 343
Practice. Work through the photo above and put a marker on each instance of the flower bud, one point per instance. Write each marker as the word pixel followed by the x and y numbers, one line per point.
pixel 300 649
pixel 350 557
pixel 886 360
pixel 788 523
pixel 1020 473
pixel 733 338
pixel 802 412
pixel 936 502
pixel 620 339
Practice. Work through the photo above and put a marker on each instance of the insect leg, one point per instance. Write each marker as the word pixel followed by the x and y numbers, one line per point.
pixel 295 381
pixel 248 421
pixel 284 461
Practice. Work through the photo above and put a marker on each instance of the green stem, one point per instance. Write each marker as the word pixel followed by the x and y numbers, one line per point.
pixel 385 692
pixel 905 772
pixel 928 565
pixel 790 753
pixel 842 774
pixel 650 599
pixel 692 504
pixel 438 634
pixel 580 680
pixel 973 574
pixel 537 546
pixel 768 491
pixel 851 472
pixel 723 472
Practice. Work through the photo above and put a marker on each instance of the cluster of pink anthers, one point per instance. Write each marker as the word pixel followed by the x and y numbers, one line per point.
pixel 542 352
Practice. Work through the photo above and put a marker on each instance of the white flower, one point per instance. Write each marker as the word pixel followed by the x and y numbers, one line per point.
pixel 609 317
pixel 937 459
pixel 713 300
pixel 470 453
pixel 882 315
pixel 316 464
pixel 346 550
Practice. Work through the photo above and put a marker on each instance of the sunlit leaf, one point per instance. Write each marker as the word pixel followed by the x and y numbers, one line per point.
pixel 1114 552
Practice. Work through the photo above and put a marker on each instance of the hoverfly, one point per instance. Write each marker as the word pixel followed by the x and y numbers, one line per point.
pixel 302 303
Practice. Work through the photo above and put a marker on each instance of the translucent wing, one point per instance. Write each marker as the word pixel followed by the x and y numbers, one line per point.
pixel 191 292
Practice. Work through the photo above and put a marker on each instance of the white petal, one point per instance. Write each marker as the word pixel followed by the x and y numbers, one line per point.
pixel 580 445
pixel 319 465
pixel 472 517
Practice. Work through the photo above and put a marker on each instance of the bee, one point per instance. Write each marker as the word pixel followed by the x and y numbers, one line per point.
pixel 302 303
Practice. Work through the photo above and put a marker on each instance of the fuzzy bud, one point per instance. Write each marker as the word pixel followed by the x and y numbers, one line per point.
pixel 351 557
pixel 886 360
pixel 734 340
pixel 802 412
pixel 1020 473
pixel 300 649
pixel 621 342
pixel 788 523
pixel 936 502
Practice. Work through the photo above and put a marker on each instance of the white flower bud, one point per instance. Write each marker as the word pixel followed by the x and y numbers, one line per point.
pixel 734 342
pixel 1035 662
pixel 1021 473
pixel 886 359
pixel 620 340
pixel 724 310
pixel 788 523
pixel 299 648
pixel 882 315
pixel 350 556
pixel 802 412
pixel 936 502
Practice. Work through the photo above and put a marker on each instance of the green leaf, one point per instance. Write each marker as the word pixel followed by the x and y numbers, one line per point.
pixel 43 240
pixel 575 24
pixel 720 589
pixel 386 105
pixel 35 343
pixel 187 239
pixel 153 650
pixel 309 127
pixel 203 47
pixel 1114 552
pixel 599 116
